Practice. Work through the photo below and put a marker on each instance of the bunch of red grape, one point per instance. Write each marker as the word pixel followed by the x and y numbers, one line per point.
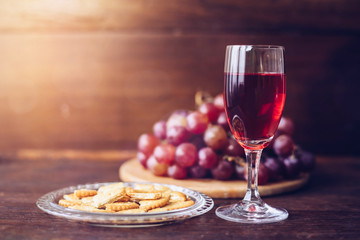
pixel 199 144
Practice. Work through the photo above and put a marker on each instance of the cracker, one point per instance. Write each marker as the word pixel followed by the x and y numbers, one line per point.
pixel 84 193
pixel 144 188
pixel 174 206
pixel 88 208
pixel 146 196
pixel 72 198
pixel 108 194
pixel 67 203
pixel 129 190
pixel 121 206
pixel 150 188
pixel 177 197
pixel 124 198
pixel 161 188
pixel 87 200
pixel 151 204
pixel 110 187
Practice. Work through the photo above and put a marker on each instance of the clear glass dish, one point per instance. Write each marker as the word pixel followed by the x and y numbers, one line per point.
pixel 48 203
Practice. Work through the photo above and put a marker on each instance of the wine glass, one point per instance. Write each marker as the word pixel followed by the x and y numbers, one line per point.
pixel 254 96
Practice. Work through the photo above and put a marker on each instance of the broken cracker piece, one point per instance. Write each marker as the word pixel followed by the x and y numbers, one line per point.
pixel 87 200
pixel 72 198
pixel 129 190
pixel 177 197
pixel 124 198
pixel 144 188
pixel 111 187
pixel 108 195
pixel 121 206
pixel 161 188
pixel 67 203
pixel 146 196
pixel 88 208
pixel 84 193
pixel 151 204
pixel 174 206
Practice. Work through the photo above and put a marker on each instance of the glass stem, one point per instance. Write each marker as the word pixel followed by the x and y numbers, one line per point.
pixel 252 161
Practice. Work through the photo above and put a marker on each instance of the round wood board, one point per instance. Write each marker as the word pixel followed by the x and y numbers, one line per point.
pixel 132 171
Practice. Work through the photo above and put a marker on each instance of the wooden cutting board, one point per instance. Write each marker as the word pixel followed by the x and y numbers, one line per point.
pixel 132 171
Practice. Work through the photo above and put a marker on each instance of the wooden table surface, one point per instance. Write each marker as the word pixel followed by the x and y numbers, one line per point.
pixel 326 208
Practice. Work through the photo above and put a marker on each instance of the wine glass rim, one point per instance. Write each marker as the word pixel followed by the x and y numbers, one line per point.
pixel 256 46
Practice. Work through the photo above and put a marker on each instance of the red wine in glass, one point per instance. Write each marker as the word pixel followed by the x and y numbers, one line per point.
pixel 254 96
pixel 254 105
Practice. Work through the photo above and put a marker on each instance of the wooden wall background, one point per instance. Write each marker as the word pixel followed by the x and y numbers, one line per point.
pixel 96 74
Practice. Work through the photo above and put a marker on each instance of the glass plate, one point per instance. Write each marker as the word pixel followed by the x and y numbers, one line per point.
pixel 48 203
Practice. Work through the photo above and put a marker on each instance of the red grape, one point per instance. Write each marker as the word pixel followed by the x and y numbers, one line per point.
pixel 286 126
pixel 234 149
pixel 196 122
pixel 159 129
pixel 283 146
pixel 239 170
pixel 147 143
pixel 158 169
pixel 142 158
pixel 177 135
pixel 207 158
pixel 198 141
pixel 197 172
pixel 165 153
pixel 271 144
pixel 186 155
pixel 176 119
pixel 222 121
pixel 177 172
pixel 291 166
pixel 223 171
pixel 275 168
pixel 263 174
pixel 215 137
pixel 306 159
pixel 180 112
pixel 210 111
pixel 219 102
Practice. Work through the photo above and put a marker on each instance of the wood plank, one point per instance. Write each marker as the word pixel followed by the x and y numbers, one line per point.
pixel 324 209
pixel 103 90
pixel 178 17
pixel 71 154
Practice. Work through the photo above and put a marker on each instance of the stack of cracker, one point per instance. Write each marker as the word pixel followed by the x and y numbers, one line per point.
pixel 116 198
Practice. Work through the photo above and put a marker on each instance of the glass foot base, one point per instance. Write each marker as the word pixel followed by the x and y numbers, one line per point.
pixel 251 213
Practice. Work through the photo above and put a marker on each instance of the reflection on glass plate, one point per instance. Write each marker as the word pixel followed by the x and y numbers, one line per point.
pixel 48 203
